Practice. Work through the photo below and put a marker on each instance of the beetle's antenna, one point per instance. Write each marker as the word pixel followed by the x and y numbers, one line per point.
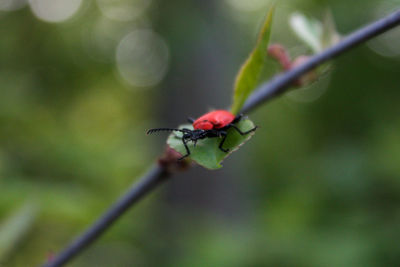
pixel 166 129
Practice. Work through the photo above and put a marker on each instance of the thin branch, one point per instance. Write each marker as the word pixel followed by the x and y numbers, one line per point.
pixel 148 182
pixel 265 92
pixel 282 82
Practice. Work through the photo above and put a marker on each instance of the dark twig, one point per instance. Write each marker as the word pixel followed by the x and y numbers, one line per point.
pixel 265 92
pixel 154 177
pixel 282 82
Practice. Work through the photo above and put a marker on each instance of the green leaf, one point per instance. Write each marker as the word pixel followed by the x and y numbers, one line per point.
pixel 309 30
pixel 206 153
pixel 316 34
pixel 249 73
pixel 330 35
pixel 14 228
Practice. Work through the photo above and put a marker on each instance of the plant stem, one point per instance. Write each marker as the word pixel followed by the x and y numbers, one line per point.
pixel 282 82
pixel 266 91
pixel 148 182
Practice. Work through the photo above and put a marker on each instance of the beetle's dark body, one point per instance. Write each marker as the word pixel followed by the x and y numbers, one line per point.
pixel 213 124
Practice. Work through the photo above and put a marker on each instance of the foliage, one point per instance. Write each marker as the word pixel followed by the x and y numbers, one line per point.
pixel 319 186
pixel 316 34
pixel 206 153
pixel 247 78
pixel 12 230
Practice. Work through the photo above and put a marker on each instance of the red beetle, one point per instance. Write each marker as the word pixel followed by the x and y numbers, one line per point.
pixel 212 124
pixel 216 119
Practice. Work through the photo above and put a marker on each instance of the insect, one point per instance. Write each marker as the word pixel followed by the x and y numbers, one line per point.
pixel 212 124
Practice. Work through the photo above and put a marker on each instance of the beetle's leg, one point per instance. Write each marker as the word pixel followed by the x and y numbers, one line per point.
pixel 187 149
pixel 191 120
pixel 224 134
pixel 239 131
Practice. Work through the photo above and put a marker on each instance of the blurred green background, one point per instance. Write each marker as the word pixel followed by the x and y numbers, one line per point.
pixel 81 81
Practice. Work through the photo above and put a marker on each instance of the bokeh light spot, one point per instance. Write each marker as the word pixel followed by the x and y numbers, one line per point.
pixel 311 92
pixel 387 44
pixel 142 58
pixel 10 5
pixel 123 10
pixel 101 37
pixel 54 10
